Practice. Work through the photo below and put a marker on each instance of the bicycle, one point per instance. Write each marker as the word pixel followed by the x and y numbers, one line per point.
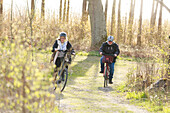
pixel 108 59
pixel 61 78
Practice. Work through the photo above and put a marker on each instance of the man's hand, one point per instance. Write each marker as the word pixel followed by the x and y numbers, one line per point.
pixel 101 53
pixel 115 55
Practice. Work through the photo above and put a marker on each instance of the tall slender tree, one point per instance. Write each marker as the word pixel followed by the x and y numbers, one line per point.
pixel 1 15
pixel 60 12
pixel 43 9
pixel 140 25
pixel 84 19
pixel 113 21
pixel 84 11
pixel 106 6
pixel 131 18
pixel 152 13
pixel 64 12
pixel 68 10
pixel 98 23
pixel 119 26
pixel 125 29
pixel 152 21
pixel 32 7
pixel 160 25
pixel 1 7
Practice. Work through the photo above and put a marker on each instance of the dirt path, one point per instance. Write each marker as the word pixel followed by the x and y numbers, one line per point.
pixel 85 93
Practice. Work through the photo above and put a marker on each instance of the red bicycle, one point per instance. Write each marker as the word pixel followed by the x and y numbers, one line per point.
pixel 107 59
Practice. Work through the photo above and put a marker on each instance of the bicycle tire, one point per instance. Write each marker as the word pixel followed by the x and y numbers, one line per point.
pixel 66 77
pixel 105 76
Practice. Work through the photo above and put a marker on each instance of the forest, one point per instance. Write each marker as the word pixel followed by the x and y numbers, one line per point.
pixel 142 70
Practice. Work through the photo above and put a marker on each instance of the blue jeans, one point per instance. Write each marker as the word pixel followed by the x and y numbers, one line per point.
pixel 111 68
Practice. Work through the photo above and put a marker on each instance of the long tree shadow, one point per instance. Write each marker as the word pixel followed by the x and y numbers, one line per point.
pixel 81 67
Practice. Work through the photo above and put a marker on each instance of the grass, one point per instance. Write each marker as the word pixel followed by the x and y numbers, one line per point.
pixel 142 99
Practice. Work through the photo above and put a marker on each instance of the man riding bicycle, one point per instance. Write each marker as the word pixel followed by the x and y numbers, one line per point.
pixel 109 47
pixel 60 46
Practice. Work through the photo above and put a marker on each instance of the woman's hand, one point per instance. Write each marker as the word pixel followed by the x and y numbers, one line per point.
pixel 56 50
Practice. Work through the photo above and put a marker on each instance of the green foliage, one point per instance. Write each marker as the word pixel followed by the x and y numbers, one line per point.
pixel 24 83
pixel 136 95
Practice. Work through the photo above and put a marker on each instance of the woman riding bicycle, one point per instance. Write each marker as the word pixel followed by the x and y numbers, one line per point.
pixel 109 47
pixel 60 46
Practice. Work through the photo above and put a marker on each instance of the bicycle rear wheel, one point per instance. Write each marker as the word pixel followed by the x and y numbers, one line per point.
pixel 105 76
pixel 62 80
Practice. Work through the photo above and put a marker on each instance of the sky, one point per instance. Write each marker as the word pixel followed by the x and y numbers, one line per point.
pixel 76 7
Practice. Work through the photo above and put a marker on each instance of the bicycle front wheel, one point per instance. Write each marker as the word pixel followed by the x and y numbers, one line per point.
pixel 105 76
pixel 62 80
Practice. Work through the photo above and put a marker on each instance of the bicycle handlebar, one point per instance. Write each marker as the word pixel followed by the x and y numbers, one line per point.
pixel 108 54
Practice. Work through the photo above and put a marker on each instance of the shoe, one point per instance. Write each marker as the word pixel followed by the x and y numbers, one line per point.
pixel 101 72
pixel 110 81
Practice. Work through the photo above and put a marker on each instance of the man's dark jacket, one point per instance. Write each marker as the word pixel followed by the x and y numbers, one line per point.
pixel 110 49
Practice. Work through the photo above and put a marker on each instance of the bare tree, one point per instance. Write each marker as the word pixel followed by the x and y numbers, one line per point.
pixel 84 19
pixel 68 10
pixel 64 12
pixel 152 21
pixel 31 17
pixel 130 24
pixel 166 7
pixel 152 13
pixel 43 9
pixel 140 25
pixel 11 19
pixel 60 13
pixel 98 23
pixel 84 11
pixel 119 26
pixel 1 15
pixel 125 29
pixel 113 21
pixel 32 7
pixel 106 6
pixel 1 7
pixel 160 25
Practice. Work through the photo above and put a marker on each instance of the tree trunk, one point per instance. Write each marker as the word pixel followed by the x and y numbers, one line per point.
pixel 140 25
pixel 84 11
pixel 60 13
pixel 106 6
pixel 98 23
pixel 64 12
pixel 152 24
pixel 32 7
pixel 1 16
pixel 163 5
pixel 152 13
pixel 160 26
pixel 131 18
pixel 11 20
pixel 1 7
pixel 43 9
pixel 84 19
pixel 124 41
pixel 113 21
pixel 68 10
pixel 119 26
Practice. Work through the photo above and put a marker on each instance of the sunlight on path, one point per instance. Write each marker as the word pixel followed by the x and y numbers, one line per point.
pixel 85 93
